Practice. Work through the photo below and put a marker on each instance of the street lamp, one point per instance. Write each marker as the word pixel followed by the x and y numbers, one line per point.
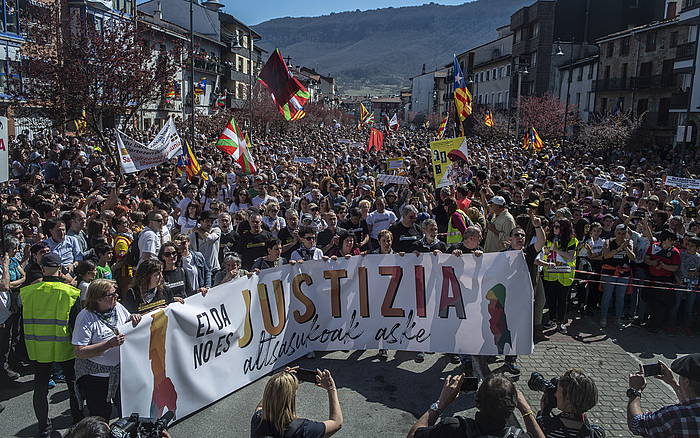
pixel 520 70
pixel 560 52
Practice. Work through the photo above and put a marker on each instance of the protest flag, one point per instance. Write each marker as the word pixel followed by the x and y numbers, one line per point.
pixel 462 96
pixel 526 141
pixel 187 163
pixel 235 143
pixel 488 119
pixel 394 123
pixel 442 128
pixel 535 140
pixel 288 93
pixel 376 140
pixel 366 117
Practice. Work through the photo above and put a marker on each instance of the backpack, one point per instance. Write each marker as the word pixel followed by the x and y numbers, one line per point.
pixel 133 255
pixel 471 430
pixel 289 432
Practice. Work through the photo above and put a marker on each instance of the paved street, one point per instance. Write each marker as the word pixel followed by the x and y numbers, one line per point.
pixel 385 398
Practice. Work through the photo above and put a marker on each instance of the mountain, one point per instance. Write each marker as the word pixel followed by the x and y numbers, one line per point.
pixel 376 51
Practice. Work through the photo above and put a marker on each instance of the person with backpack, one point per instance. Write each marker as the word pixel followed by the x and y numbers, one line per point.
pixel 496 399
pixel 275 416
pixel 576 394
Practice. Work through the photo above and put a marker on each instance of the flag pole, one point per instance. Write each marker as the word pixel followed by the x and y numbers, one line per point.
pixel 192 71
pixel 250 84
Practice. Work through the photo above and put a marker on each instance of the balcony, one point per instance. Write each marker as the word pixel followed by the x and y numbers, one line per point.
pixel 685 51
pixel 213 67
pixel 679 101
pixel 655 81
pixel 690 4
pixel 611 84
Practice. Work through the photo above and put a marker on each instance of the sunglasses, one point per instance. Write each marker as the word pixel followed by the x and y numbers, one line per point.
pixel 169 254
pixel 518 235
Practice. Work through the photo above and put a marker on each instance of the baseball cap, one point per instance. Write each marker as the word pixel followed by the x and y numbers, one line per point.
pixel 50 260
pixel 498 200
pixel 307 217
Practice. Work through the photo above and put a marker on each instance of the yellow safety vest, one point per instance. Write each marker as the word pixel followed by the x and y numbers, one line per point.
pixel 565 278
pixel 46 309
pixel 453 234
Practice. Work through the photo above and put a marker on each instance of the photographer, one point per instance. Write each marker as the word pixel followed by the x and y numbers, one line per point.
pixel 95 427
pixel 275 415
pixel 573 394
pixel 674 421
pixel 496 399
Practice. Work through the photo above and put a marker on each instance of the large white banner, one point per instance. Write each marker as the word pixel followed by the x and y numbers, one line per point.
pixel 135 156
pixel 189 355
pixel 684 183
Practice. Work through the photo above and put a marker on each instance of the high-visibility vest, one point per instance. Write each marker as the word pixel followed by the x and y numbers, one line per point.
pixel 564 273
pixel 46 310
pixel 453 234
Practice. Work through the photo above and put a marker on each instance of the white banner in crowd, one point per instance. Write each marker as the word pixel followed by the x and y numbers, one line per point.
pixel 136 156
pixel 304 160
pixel 188 356
pixel 392 179
pixel 606 184
pixel 4 151
pixel 683 183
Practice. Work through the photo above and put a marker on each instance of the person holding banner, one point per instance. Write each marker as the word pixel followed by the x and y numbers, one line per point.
pixel 273 258
pixel 276 415
pixel 147 292
pixel 96 342
pixel 458 221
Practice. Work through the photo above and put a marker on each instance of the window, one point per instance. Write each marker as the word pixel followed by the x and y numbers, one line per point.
pixel 493 74
pixel 481 79
pixel 664 106
pixel 536 30
pixel 625 46
pixel 587 105
pixel 9 76
pixel 580 74
pixel 607 72
pixel 533 59
pixel 674 39
pixel 508 70
pixel 610 49
pixel 502 72
pixel 578 99
pixel 623 73
pixel 500 97
pixel 642 106
pixel 239 63
pixel 590 71
pixel 650 41
pixel 488 74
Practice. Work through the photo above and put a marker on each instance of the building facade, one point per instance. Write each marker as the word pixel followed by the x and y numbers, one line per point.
pixel 430 93
pixel 577 78
pixel 685 102
pixel 636 75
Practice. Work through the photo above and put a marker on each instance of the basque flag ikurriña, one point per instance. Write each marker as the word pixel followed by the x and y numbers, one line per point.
pixel 288 93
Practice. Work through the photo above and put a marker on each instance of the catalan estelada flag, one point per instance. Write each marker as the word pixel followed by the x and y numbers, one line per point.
pixel 442 128
pixel 488 119
pixel 535 140
pixel 188 164
pixel 463 98
pixel 288 93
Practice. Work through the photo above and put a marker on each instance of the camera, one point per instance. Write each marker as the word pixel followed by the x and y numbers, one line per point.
pixel 137 427
pixel 538 383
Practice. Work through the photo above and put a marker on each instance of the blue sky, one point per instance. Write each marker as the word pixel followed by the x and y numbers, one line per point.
pixel 254 12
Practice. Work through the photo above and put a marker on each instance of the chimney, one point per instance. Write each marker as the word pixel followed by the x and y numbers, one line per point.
pixel 158 13
pixel 671 9
pixel 423 71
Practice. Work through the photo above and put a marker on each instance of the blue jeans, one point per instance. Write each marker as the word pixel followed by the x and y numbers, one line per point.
pixel 608 290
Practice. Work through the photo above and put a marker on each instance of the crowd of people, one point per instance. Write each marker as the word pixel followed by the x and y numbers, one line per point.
pixel 114 247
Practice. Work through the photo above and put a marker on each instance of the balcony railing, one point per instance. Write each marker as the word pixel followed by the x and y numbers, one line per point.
pixel 208 66
pixel 680 100
pixel 688 4
pixel 656 81
pixel 685 51
pixel 611 84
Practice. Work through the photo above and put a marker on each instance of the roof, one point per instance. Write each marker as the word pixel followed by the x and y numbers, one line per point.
pixel 638 29
pixel 432 72
pixel 386 100
pixel 225 18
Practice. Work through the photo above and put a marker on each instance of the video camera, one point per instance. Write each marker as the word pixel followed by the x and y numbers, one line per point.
pixel 137 427
pixel 538 383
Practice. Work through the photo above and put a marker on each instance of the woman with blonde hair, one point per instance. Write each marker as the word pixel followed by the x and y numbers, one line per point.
pixel 96 340
pixel 276 414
